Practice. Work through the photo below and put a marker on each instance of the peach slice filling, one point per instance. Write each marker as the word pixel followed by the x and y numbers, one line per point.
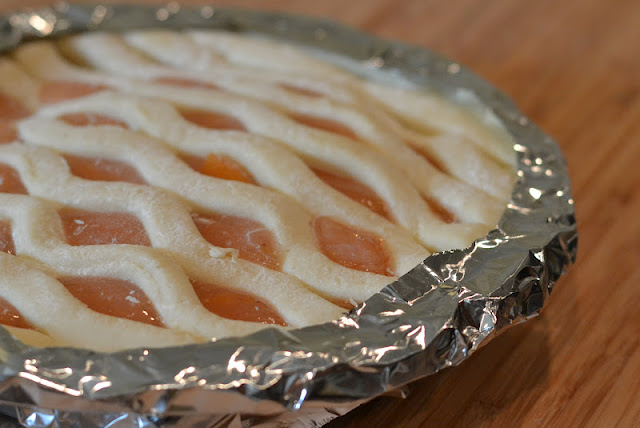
pixel 426 155
pixel 211 120
pixel 324 125
pixel 91 119
pixel 11 110
pixel 352 248
pixel 56 91
pixel 219 167
pixel 356 191
pixel 8 132
pixel 254 242
pixel 184 83
pixel 114 297
pixel 301 91
pixel 440 211
pixel 100 169
pixel 10 316
pixel 98 228
pixel 6 239
pixel 10 180
pixel 235 305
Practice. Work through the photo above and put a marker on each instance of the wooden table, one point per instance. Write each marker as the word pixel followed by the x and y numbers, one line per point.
pixel 575 70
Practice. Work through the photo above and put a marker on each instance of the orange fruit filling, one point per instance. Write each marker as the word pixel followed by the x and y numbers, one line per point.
pixel 219 167
pixel 422 152
pixel 97 228
pixel 235 305
pixel 114 297
pixel 324 125
pixel 10 316
pixel 440 211
pixel 10 180
pixel 184 83
pixel 56 91
pixel 102 169
pixel 91 119
pixel 8 132
pixel 254 242
pixel 11 110
pixel 211 120
pixel 352 248
pixel 6 238
pixel 300 91
pixel 356 191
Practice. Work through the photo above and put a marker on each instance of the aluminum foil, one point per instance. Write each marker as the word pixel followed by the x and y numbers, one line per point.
pixel 433 317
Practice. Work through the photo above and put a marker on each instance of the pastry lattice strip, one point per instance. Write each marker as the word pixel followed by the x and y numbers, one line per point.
pixel 415 216
pixel 39 236
pixel 121 60
pixel 226 56
pixel 289 222
pixel 149 101
pixel 463 159
pixel 166 220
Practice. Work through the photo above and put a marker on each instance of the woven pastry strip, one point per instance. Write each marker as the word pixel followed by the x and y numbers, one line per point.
pixel 300 138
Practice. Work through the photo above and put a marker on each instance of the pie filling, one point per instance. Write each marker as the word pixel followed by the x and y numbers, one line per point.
pixel 53 92
pixel 10 316
pixel 114 297
pixel 342 240
pixel 184 83
pixel 11 110
pixel 324 124
pixel 440 211
pixel 8 132
pixel 352 248
pixel 300 90
pixel 254 242
pixel 356 191
pixel 235 305
pixel 219 166
pixel 10 180
pixel 211 120
pixel 6 239
pixel 98 228
pixel 100 169
pixel 428 157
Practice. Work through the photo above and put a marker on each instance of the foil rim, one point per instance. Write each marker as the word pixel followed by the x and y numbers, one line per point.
pixel 433 317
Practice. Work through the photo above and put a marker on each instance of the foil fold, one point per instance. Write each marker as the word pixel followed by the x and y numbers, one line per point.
pixel 433 317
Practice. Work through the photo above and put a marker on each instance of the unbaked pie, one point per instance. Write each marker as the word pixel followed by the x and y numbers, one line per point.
pixel 161 188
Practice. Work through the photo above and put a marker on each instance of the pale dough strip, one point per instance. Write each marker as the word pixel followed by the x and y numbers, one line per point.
pixel 410 210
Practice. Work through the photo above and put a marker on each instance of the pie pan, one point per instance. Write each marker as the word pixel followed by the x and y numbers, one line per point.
pixel 433 317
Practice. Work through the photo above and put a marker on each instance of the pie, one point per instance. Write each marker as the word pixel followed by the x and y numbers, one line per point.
pixel 161 188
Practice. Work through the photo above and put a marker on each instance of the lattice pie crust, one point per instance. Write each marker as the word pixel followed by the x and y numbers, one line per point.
pixel 160 188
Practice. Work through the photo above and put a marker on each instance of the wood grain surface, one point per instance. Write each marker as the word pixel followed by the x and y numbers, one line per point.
pixel 574 68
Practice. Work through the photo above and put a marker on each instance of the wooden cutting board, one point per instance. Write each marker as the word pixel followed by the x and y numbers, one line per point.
pixel 574 68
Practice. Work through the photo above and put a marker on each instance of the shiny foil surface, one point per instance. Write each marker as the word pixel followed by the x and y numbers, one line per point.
pixel 433 317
